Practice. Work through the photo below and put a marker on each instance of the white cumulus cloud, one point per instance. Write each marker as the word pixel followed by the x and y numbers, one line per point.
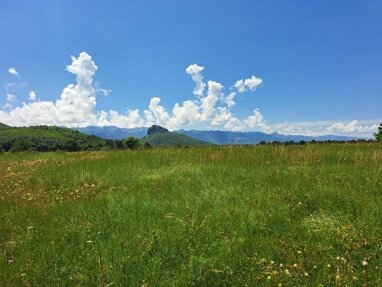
pixel 32 96
pixel 351 128
pixel 248 84
pixel 184 115
pixel 113 118
pixel 195 71
pixel 208 103
pixel 13 71
pixel 76 106
pixel 257 121
pixel 319 128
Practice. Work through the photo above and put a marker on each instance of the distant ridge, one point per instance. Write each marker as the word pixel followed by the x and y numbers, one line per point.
pixel 113 133
pixel 212 136
pixel 229 137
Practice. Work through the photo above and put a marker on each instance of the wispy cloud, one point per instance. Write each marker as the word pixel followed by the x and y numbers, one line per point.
pixel 105 92
pixel 11 98
pixel 10 87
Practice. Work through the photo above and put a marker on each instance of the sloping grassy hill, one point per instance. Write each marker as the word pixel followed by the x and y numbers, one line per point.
pixel 159 136
pixel 172 139
pixel 3 126
pixel 47 138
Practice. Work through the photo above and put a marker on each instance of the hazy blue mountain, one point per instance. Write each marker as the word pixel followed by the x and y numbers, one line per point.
pixel 228 137
pixel 215 137
pixel 282 137
pixel 112 132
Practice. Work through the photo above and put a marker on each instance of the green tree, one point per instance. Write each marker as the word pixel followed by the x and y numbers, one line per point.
pixel 378 135
pixel 71 145
pixel 21 145
pixel 147 145
pixel 132 143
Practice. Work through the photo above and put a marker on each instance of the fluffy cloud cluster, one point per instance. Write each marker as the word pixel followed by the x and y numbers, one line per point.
pixel 210 108
pixel 76 106
pixel 248 84
pixel 195 72
pixel 352 128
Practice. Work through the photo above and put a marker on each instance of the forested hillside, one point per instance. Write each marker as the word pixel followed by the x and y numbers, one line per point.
pixel 50 138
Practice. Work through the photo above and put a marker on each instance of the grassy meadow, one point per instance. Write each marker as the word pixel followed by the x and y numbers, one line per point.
pixel 298 215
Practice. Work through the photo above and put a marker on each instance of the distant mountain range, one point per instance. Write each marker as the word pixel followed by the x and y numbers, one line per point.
pixel 229 137
pixel 112 132
pixel 215 137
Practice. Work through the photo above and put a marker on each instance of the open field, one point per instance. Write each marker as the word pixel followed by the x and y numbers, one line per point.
pixel 300 215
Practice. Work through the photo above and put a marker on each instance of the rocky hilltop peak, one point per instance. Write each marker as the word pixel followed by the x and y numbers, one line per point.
pixel 156 129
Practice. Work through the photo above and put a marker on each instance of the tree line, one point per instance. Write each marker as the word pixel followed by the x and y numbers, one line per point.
pixel 51 138
pixel 19 144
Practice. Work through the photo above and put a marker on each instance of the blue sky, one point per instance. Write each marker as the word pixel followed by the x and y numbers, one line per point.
pixel 320 63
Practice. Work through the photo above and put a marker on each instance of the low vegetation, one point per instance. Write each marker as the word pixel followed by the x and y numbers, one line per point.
pixel 268 215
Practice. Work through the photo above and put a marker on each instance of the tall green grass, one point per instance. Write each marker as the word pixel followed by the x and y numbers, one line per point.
pixel 308 215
